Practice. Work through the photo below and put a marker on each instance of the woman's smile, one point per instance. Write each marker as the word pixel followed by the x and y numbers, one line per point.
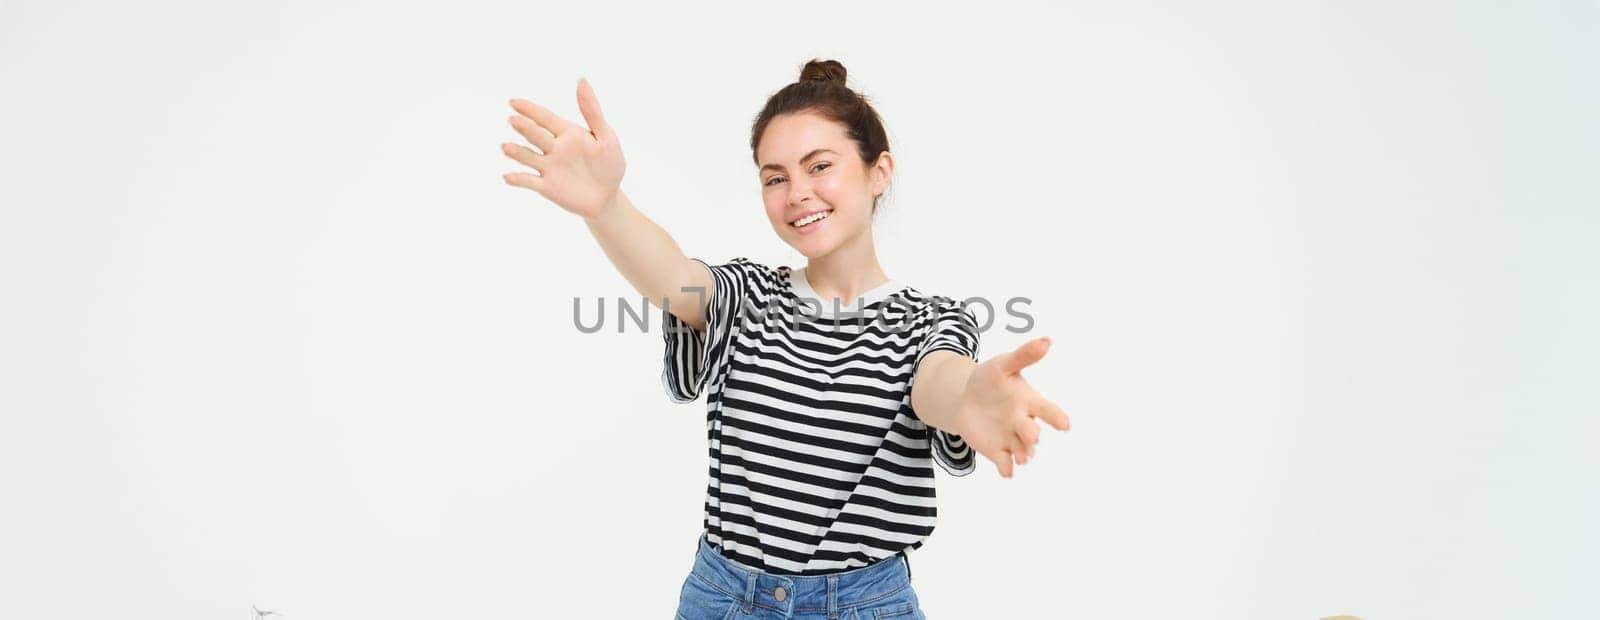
pixel 810 222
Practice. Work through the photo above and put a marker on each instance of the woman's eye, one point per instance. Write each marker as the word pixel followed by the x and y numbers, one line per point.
pixel 814 168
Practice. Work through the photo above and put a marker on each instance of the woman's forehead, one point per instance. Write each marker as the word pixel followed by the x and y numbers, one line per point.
pixel 791 137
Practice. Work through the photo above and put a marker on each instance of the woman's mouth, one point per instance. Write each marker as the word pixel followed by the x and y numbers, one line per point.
pixel 810 222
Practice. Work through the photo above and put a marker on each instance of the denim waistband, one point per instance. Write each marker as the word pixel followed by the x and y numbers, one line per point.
pixel 829 593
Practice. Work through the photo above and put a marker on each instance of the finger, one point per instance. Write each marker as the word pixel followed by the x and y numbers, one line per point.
pixel 524 155
pixel 589 106
pixel 1028 434
pixel 1026 355
pixel 524 179
pixel 1051 414
pixel 550 121
pixel 1002 462
pixel 536 134
pixel 1020 450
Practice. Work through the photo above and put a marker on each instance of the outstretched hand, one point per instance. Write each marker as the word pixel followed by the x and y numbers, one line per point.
pixel 578 169
pixel 998 407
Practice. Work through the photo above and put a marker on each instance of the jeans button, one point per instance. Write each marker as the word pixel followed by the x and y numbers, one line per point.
pixel 779 594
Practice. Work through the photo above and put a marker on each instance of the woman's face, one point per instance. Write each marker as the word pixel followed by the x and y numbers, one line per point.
pixel 809 165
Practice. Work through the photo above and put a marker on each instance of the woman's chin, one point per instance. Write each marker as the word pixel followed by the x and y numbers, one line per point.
pixel 810 248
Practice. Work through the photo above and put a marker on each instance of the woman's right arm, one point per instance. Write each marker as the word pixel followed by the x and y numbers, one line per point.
pixel 581 171
pixel 651 261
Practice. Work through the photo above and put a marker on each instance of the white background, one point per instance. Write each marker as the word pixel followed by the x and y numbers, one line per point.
pixel 1321 282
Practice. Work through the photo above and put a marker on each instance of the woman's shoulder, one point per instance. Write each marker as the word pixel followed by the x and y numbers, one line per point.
pixel 749 267
pixel 760 277
pixel 918 299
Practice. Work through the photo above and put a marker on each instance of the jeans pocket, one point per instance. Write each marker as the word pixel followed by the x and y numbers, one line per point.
pixel 897 610
pixel 699 600
pixel 903 606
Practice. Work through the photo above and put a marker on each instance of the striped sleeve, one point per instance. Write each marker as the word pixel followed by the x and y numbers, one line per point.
pixel 693 356
pixel 954 328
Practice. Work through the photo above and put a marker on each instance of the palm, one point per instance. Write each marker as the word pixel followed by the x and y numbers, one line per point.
pixel 578 169
pixel 998 408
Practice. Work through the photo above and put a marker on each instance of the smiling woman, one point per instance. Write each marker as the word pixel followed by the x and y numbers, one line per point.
pixel 824 436
pixel 824 162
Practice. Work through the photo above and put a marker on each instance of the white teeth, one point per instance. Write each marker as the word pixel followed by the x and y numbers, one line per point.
pixel 811 218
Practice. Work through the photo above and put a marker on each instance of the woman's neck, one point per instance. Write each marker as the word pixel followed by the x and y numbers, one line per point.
pixel 848 271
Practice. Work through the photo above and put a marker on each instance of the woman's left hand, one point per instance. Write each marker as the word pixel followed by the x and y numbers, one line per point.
pixel 998 407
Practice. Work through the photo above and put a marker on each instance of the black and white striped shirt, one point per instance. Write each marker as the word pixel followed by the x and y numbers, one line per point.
pixel 818 463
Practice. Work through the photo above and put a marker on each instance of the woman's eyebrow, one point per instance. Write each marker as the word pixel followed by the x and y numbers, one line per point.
pixel 814 153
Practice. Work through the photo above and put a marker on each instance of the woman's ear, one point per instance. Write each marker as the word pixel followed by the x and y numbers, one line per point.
pixel 881 173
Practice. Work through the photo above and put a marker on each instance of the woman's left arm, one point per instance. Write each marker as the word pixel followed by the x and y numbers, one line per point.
pixel 989 405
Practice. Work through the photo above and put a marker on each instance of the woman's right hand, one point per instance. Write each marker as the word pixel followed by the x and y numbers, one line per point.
pixel 578 169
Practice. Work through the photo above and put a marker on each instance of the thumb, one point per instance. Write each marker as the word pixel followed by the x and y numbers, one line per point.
pixel 589 105
pixel 1027 354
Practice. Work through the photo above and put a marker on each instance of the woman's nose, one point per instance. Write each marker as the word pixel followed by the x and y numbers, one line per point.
pixel 799 194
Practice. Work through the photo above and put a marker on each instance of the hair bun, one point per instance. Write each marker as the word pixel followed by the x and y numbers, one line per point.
pixel 823 71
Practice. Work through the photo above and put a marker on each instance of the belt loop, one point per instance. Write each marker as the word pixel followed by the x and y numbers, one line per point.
pixel 749 590
pixel 907 558
pixel 833 596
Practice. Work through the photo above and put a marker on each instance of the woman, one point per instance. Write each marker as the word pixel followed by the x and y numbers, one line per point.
pixel 830 389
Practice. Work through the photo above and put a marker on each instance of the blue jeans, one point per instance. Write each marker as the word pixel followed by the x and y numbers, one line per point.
pixel 719 589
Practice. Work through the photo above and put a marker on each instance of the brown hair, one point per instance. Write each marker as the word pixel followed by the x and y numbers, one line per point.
pixel 821 90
